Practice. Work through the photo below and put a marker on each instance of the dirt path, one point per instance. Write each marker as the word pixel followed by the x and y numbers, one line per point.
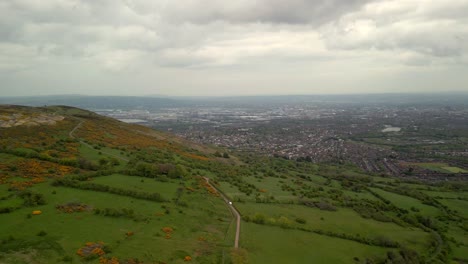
pixel 91 147
pixel 233 210
pixel 70 134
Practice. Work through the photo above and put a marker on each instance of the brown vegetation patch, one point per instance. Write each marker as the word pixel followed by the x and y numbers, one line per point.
pixel 73 207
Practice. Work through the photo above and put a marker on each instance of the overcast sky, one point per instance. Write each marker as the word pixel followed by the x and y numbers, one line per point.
pixel 240 47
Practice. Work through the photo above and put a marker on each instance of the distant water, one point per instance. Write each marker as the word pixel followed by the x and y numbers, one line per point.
pixel 391 129
pixel 132 120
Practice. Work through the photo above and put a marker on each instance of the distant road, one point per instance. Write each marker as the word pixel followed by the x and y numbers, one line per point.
pixel 233 210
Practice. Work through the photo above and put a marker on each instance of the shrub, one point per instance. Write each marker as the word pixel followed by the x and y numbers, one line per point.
pixel 41 233
pixel 300 220
pixel 284 222
pixel 259 219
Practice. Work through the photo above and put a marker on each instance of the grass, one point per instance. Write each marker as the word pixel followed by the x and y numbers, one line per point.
pixel 440 167
pixel 272 187
pixel 89 153
pixel 460 249
pixel 166 189
pixel 454 169
pixel 446 195
pixel 342 221
pixel 233 192
pixel 199 228
pixel 95 155
pixel 11 202
pixel 317 179
pixel 7 157
pixel 406 202
pixel 460 252
pixel 360 195
pixel 267 244
pixel 459 205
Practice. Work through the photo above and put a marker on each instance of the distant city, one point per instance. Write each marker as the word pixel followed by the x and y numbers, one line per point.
pixel 389 134
pixel 386 138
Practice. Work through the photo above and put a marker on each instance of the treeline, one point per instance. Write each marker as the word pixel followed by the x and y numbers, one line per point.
pixel 403 256
pixel 119 212
pixel 66 182
pixel 379 241
pixel 156 171
pixel 322 205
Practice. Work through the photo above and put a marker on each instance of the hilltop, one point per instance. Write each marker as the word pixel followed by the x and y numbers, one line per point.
pixel 149 194
pixel 78 187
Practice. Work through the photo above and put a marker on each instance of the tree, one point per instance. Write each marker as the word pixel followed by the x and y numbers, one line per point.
pixel 178 172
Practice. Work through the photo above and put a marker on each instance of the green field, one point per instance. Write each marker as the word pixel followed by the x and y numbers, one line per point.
pixel 342 221
pixel 440 167
pixel 407 202
pixel 71 231
pixel 166 189
pixel 454 169
pixel 266 244
pixel 446 195
pixel 459 205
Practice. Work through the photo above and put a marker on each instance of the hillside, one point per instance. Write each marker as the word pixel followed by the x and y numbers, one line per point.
pixel 76 187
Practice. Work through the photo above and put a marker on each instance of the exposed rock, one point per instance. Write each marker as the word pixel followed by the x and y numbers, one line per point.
pixel 18 119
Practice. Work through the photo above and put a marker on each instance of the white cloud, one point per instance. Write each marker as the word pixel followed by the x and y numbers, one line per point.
pixel 420 26
pixel 263 46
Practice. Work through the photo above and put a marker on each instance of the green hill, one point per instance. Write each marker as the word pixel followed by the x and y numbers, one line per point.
pixel 76 187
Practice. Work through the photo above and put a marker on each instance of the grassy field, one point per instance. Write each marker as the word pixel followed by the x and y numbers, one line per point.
pixel 269 186
pixel 342 221
pixel 460 235
pixel 199 229
pixel 454 169
pixel 445 194
pixel 459 205
pixel 440 167
pixel 360 195
pixel 267 244
pixel 407 202
pixel 166 189
pixel 233 192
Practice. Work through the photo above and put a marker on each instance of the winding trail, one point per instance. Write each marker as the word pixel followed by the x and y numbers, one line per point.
pixel 91 147
pixel 233 210
pixel 70 134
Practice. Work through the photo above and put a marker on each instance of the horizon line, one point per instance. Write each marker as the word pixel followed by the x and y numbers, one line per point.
pixel 242 95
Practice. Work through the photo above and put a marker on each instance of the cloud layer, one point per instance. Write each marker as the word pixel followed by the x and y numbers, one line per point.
pixel 210 47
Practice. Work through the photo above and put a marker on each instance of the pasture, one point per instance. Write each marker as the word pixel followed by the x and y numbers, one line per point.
pixel 268 244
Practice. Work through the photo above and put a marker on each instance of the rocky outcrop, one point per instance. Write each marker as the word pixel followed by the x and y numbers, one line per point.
pixel 18 119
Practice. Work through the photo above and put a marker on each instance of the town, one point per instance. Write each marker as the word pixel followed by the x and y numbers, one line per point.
pixel 426 141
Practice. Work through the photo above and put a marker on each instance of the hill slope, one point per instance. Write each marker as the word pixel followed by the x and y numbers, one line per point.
pixel 126 185
pixel 79 187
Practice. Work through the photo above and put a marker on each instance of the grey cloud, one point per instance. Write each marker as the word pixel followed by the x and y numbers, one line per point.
pixel 264 11
pixel 435 30
pixel 181 41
